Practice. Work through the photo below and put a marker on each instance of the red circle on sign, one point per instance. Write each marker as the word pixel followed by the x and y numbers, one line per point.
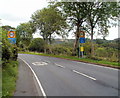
pixel 82 34
pixel 11 34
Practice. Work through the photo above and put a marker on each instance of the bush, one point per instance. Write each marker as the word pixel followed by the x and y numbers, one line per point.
pixel 9 51
pixel 37 44
pixel 59 50
pixel 87 48
pixel 105 53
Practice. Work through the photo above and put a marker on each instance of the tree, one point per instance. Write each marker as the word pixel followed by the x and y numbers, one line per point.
pixel 76 15
pixel 99 13
pixel 49 21
pixel 87 15
pixel 7 27
pixel 24 33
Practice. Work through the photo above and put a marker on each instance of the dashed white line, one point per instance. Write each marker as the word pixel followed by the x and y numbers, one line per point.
pixel 84 74
pixel 39 83
pixel 59 65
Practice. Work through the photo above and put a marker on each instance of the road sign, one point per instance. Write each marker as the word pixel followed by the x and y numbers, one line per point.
pixel 82 34
pixel 11 34
pixel 12 40
pixel 81 48
pixel 82 40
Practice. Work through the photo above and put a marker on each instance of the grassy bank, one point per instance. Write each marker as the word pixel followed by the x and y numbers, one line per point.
pixel 0 81
pixel 87 60
pixel 9 77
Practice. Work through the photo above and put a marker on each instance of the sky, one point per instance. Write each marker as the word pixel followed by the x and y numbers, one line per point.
pixel 14 12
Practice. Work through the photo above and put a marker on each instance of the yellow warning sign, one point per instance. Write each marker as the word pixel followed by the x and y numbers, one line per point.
pixel 81 48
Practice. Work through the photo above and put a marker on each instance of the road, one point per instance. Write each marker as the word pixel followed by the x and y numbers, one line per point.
pixel 23 87
pixel 59 77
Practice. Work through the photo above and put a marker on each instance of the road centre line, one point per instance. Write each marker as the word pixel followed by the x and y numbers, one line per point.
pixel 83 74
pixel 39 83
pixel 59 65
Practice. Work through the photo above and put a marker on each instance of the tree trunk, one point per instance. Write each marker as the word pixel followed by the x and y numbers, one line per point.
pixel 50 39
pixel 45 39
pixel 92 44
pixel 76 41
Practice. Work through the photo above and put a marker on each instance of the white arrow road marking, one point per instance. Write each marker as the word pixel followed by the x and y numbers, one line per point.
pixel 59 65
pixel 39 63
pixel 84 74
pixel 47 61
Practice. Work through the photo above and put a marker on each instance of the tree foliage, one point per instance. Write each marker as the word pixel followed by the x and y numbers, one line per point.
pixel 24 33
pixel 99 14
pixel 9 51
pixel 37 44
pixel 76 15
pixel 49 21
pixel 88 16
pixel 7 27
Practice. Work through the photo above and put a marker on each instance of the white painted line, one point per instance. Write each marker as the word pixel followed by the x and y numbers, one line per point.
pixel 97 65
pixel 84 74
pixel 40 86
pixel 59 65
pixel 46 61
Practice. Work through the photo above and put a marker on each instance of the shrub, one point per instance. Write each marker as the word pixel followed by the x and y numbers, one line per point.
pixel 9 51
pixel 37 44
pixel 59 50
pixel 6 50
pixel 105 53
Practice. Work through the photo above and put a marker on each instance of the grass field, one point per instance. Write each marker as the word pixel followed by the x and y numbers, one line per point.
pixel 9 77
pixel 87 60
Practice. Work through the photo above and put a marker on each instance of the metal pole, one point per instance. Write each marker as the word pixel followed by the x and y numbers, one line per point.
pixel 82 50
pixel 79 50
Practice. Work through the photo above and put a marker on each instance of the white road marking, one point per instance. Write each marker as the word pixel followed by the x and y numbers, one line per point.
pixel 84 74
pixel 59 65
pixel 39 83
pixel 39 63
pixel 47 61
pixel 97 65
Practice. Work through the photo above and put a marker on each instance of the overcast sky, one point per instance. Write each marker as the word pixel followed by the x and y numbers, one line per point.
pixel 14 12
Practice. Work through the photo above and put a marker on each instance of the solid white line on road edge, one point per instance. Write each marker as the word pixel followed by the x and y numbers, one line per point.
pixel 98 65
pixel 43 92
pixel 59 65
pixel 84 74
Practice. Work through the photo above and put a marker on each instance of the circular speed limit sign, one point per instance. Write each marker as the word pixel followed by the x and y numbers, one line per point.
pixel 11 34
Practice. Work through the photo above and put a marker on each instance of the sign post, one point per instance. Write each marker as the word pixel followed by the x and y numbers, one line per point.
pixel 12 36
pixel 81 41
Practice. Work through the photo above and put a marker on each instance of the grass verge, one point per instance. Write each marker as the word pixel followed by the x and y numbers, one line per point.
pixel 9 77
pixel 86 60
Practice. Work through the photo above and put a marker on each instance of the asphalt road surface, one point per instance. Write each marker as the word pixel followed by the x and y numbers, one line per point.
pixel 25 85
pixel 59 77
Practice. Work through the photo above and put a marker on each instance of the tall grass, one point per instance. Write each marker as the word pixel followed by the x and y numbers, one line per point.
pixel 9 77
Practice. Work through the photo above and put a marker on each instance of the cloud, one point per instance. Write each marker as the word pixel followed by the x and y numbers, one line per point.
pixel 13 12
pixel 11 17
